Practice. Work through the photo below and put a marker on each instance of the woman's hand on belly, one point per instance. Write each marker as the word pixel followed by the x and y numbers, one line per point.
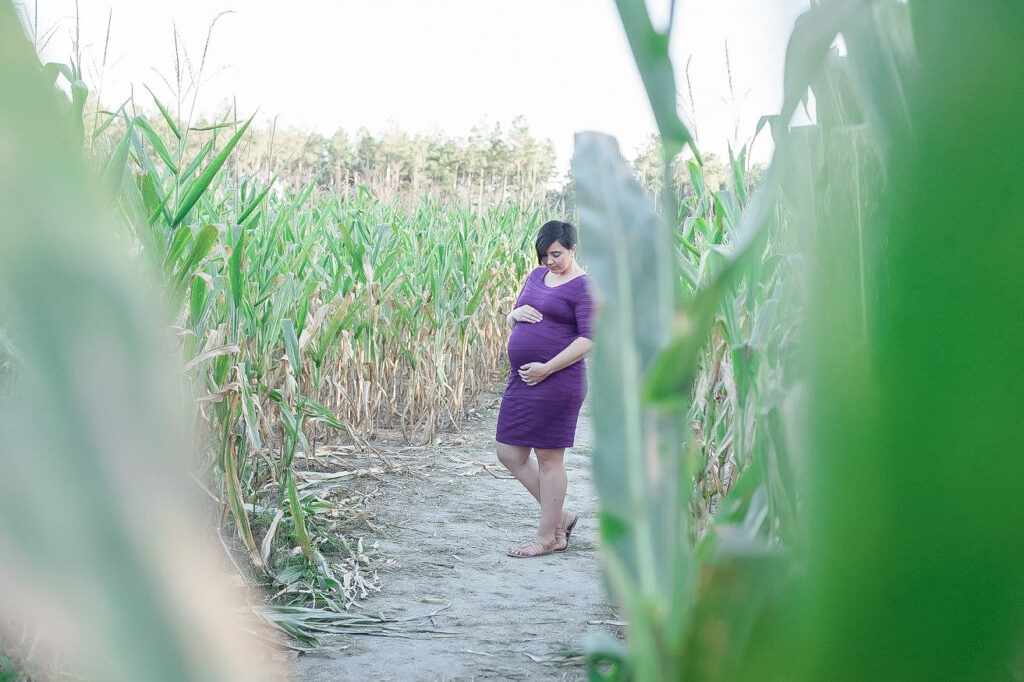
pixel 526 313
pixel 534 372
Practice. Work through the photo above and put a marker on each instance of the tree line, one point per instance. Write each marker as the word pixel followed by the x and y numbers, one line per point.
pixel 493 164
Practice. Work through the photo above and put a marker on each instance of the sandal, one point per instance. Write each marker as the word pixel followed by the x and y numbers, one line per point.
pixel 542 549
pixel 562 535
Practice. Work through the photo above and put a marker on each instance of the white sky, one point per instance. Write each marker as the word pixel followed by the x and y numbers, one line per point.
pixel 443 65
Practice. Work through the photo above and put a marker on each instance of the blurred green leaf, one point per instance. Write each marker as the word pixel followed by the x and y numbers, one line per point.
pixel 650 50
pixel 117 163
pixel 668 381
pixel 92 496
pixel 630 260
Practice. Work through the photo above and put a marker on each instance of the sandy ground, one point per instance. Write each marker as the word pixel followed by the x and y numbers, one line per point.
pixel 446 536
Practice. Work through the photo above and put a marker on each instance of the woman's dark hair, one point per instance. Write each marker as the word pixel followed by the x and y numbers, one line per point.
pixel 551 232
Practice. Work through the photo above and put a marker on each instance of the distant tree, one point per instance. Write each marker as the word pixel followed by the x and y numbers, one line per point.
pixel 491 165
pixel 648 168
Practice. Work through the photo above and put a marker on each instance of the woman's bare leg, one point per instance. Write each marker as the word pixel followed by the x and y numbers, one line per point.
pixel 517 460
pixel 546 474
pixel 551 471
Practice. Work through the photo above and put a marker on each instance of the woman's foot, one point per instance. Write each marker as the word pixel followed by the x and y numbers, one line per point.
pixel 564 531
pixel 531 548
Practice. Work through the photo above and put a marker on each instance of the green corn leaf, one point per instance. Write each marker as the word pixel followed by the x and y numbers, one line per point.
pixel 198 186
pixel 215 126
pixel 291 421
pixel 201 245
pixel 477 297
pixel 298 516
pixel 630 260
pixel 668 381
pixel 291 345
pixel 197 301
pixel 256 202
pixel 111 116
pixel 163 112
pixel 338 321
pixel 53 71
pixel 157 143
pixel 221 367
pixel 813 36
pixel 233 487
pixel 179 242
pixel 154 240
pixel 235 278
pixel 697 178
pixel 117 164
pixel 322 412
pixel 606 657
pixel 763 324
pixel 161 210
pixel 303 312
pixel 650 50
pixel 151 199
pixel 194 164
pixel 79 96
pixel 253 219
pixel 739 180
pixel 252 427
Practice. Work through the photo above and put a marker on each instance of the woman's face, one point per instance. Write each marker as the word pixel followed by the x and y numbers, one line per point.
pixel 558 259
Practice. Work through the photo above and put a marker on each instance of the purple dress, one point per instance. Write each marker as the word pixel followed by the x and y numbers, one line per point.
pixel 544 415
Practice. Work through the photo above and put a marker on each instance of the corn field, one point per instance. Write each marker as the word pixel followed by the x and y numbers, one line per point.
pixel 298 319
pixel 780 484
pixel 311 317
pixel 805 389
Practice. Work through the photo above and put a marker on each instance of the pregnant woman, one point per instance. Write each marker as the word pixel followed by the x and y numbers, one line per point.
pixel 551 332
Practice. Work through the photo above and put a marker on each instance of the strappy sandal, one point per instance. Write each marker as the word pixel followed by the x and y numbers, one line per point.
pixel 565 534
pixel 544 549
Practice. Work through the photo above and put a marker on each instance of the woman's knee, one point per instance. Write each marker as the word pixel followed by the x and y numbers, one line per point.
pixel 550 459
pixel 512 456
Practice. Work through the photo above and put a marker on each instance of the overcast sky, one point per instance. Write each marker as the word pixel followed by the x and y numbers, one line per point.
pixel 442 65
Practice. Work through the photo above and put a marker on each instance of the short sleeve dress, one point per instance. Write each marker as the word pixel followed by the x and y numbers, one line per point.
pixel 544 415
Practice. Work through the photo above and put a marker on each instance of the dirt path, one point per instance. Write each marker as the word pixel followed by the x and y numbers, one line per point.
pixel 500 618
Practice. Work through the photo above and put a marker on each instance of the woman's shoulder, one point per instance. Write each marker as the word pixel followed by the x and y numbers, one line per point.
pixel 578 288
pixel 583 278
pixel 585 289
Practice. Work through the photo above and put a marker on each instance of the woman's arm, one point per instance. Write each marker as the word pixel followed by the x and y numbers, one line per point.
pixel 536 372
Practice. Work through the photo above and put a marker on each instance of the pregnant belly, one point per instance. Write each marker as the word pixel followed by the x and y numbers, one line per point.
pixel 537 342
